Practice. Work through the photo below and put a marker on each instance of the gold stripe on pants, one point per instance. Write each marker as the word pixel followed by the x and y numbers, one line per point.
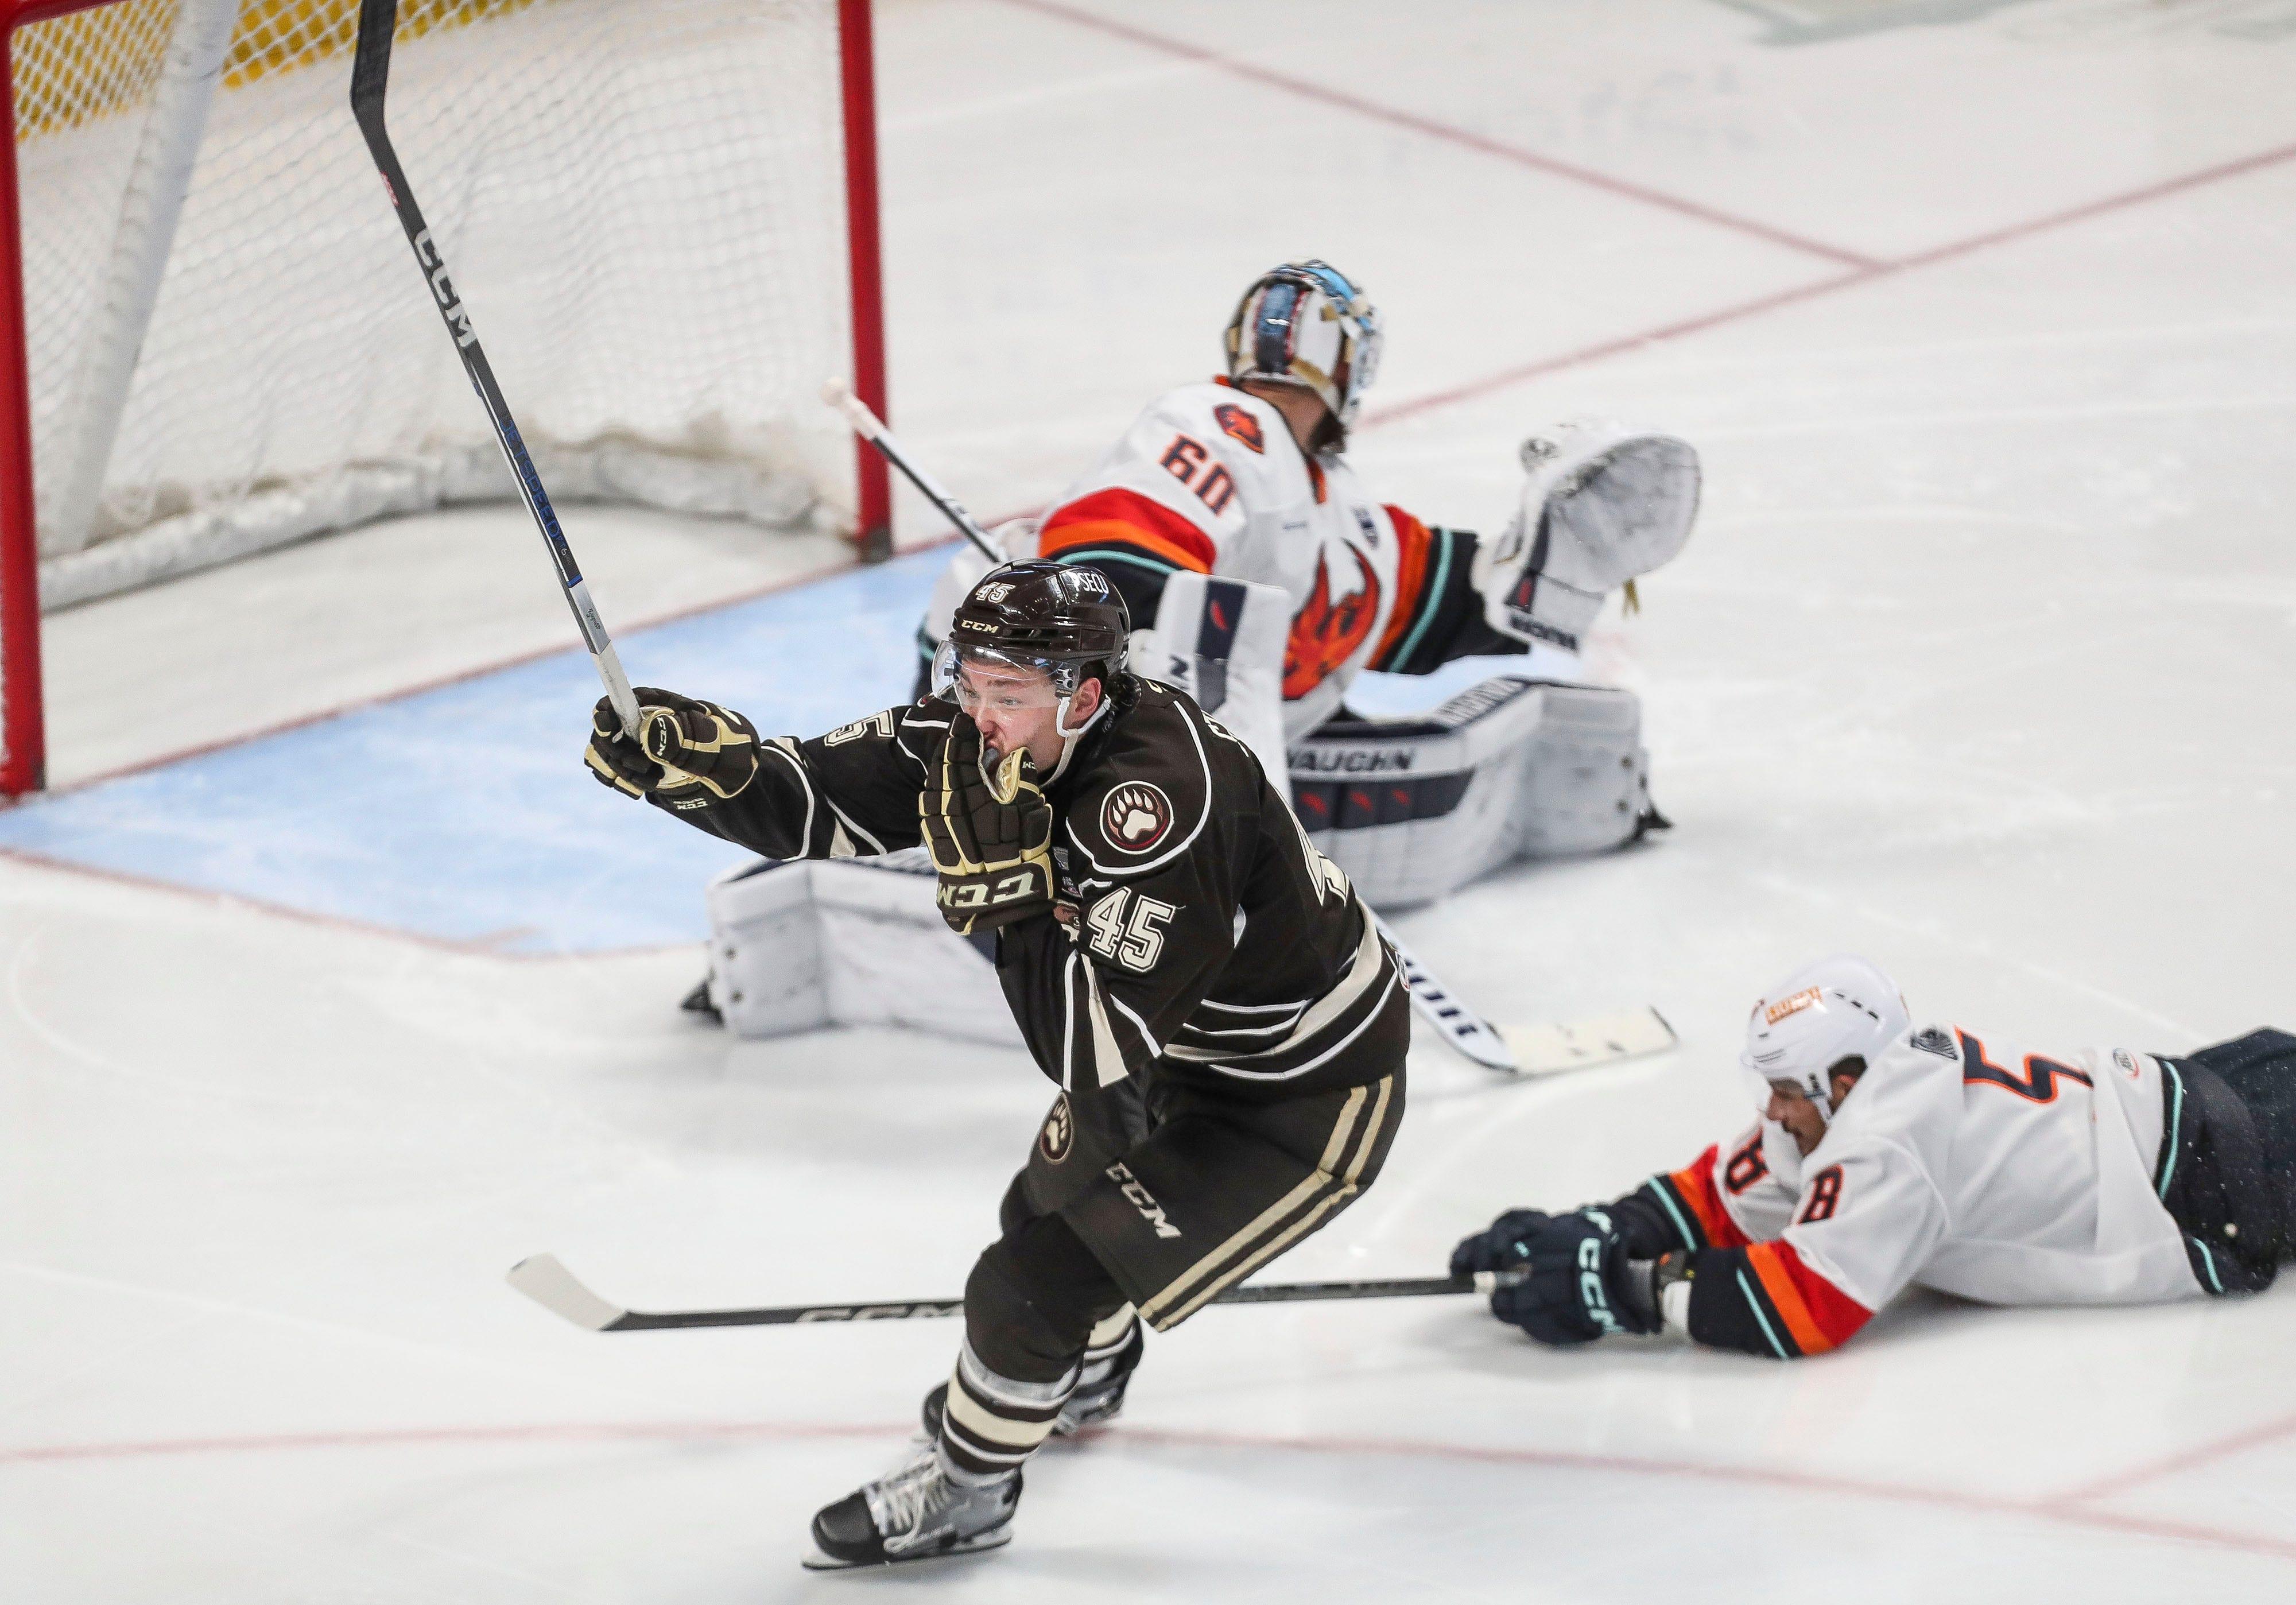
pixel 1353 1137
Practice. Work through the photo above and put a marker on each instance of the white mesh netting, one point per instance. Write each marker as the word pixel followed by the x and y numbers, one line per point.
pixel 640 202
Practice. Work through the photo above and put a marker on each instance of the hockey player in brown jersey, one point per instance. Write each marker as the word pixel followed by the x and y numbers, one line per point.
pixel 1262 577
pixel 1211 996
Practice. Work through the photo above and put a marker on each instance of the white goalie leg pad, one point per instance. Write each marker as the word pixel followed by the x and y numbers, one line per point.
pixel 1600 505
pixel 1415 808
pixel 1221 641
pixel 798 945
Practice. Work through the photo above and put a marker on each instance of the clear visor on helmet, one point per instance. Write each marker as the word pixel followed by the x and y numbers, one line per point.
pixel 979 677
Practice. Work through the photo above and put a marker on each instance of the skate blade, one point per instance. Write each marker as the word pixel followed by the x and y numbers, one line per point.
pixel 997 1539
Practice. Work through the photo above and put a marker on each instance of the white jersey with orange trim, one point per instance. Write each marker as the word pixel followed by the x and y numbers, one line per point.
pixel 1209 480
pixel 1974 1165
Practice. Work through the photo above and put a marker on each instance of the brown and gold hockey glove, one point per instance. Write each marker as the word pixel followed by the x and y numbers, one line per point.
pixel 615 759
pixel 689 754
pixel 709 753
pixel 989 835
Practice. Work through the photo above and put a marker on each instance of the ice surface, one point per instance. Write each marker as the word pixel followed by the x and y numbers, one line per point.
pixel 1982 662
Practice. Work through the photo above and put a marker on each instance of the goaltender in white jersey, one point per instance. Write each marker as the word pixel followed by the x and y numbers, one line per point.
pixel 1891 1153
pixel 1264 576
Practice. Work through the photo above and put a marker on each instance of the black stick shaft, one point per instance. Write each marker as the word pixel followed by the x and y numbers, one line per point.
pixel 370 80
pixel 925 1309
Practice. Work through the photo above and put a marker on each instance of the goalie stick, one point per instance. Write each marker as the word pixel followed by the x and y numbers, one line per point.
pixel 1535 1050
pixel 550 1284
pixel 370 78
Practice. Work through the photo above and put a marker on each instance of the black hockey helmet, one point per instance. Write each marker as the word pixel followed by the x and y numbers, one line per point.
pixel 1062 618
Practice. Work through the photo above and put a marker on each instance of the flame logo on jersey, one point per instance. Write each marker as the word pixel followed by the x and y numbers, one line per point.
pixel 1326 634
pixel 1136 817
pixel 1237 424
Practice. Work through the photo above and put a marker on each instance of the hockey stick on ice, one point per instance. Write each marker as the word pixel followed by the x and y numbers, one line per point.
pixel 1530 1050
pixel 370 78
pixel 552 1286
pixel 1458 1025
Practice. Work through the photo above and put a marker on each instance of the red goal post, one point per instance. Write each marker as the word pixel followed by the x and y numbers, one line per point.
pixel 664 215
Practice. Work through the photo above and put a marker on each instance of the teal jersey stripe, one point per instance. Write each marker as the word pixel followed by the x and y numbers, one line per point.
pixel 1101 555
pixel 1658 1184
pixel 1427 603
pixel 2216 1282
pixel 2176 1123
pixel 1755 1305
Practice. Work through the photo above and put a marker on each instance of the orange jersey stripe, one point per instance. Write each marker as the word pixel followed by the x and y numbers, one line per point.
pixel 1413 545
pixel 1694 1185
pixel 1819 1315
pixel 1131 518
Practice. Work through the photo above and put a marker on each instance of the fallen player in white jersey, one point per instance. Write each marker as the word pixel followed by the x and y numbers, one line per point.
pixel 1890 1154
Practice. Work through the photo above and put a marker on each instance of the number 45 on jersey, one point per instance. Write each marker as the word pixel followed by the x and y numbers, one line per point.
pixel 1128 928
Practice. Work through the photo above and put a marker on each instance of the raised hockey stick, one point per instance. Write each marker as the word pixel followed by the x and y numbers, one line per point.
pixel 557 1289
pixel 370 77
pixel 1549 1047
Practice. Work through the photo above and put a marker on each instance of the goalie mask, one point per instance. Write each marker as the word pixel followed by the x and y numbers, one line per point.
pixel 1305 323
pixel 1839 1008
pixel 1036 630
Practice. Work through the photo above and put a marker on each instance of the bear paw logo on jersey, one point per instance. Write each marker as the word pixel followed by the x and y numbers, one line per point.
pixel 1059 1135
pixel 1237 424
pixel 1136 817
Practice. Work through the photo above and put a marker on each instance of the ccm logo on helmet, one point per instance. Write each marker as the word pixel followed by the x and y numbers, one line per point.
pixel 1136 817
pixel 1804 999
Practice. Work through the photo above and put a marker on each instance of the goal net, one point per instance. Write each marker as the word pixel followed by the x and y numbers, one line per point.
pixel 228 349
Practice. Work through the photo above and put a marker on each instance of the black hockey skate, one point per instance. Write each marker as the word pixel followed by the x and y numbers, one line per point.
pixel 915 1513
pixel 1098 1397
pixel 697 1002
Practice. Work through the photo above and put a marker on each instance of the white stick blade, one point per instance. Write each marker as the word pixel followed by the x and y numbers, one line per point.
pixel 553 1287
pixel 1545 1049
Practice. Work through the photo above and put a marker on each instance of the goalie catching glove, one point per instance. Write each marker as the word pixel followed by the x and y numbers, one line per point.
pixel 1599 505
pixel 688 755
pixel 989 835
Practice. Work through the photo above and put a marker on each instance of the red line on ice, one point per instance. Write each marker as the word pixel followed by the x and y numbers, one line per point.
pixel 1867 274
pixel 2120 1482
pixel 2060 1511
pixel 1450 133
